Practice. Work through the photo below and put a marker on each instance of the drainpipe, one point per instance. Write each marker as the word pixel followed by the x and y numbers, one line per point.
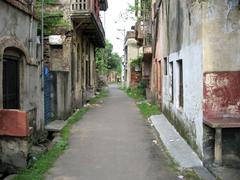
pixel 31 29
pixel 42 49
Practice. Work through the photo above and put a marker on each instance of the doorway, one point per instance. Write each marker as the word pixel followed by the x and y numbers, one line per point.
pixel 11 84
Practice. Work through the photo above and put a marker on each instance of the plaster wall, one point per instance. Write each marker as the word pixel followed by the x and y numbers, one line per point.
pixel 18 39
pixel 16 23
pixel 221 52
pixel 221 48
pixel 180 38
pixel 221 35
pixel 15 32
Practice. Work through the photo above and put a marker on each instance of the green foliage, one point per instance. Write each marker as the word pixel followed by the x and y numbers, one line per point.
pixel 107 60
pixel 45 161
pixel 190 175
pixel 143 6
pixel 131 8
pixel 138 94
pixel 103 94
pixel 137 61
pixel 135 93
pixel 148 109
pixel 52 19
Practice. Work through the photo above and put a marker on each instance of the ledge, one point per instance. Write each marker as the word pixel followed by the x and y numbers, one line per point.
pixel 22 6
pixel 14 123
pixel 223 122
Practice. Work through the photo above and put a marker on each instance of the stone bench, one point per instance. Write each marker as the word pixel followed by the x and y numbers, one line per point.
pixel 218 125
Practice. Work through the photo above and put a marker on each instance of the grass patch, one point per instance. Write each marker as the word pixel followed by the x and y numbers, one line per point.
pixel 45 161
pixel 103 94
pixel 190 175
pixel 135 94
pixel 148 109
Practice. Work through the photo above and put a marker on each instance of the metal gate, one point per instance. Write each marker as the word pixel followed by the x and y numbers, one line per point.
pixel 47 95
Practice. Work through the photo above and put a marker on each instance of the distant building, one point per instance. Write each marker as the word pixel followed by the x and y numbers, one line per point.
pixel 132 73
pixel 70 54
pixel 144 37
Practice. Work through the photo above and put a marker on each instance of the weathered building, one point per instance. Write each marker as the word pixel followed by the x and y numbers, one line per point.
pixel 31 93
pixel 70 53
pixel 131 50
pixel 143 35
pixel 21 96
pixel 197 53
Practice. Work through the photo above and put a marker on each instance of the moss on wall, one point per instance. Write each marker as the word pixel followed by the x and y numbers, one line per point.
pixel 54 23
pixel 187 133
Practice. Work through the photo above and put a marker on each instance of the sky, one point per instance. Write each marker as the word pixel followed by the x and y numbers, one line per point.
pixel 114 25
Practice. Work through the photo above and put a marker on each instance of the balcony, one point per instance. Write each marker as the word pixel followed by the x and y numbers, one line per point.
pixel 85 17
pixel 139 31
pixel 147 53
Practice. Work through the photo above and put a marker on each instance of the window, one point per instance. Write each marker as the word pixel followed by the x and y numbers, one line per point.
pixel 171 82
pixel 165 67
pixel 180 75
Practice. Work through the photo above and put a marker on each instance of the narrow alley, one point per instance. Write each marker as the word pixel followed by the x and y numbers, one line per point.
pixel 172 72
pixel 112 141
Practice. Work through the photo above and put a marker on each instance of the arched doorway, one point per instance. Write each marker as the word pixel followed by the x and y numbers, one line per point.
pixel 12 78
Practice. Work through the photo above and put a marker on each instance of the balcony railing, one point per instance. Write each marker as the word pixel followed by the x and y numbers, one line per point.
pixel 79 5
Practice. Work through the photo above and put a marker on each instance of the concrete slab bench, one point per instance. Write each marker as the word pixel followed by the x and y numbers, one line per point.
pixel 56 125
pixel 218 125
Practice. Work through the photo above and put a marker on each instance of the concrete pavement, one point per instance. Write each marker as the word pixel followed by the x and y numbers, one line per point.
pixel 178 147
pixel 112 142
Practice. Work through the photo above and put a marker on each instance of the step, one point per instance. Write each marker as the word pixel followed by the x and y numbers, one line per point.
pixel 56 125
pixel 178 147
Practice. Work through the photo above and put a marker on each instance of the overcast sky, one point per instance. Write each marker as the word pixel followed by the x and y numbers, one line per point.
pixel 113 22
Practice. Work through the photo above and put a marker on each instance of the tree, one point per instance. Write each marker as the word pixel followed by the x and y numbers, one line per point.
pixel 107 60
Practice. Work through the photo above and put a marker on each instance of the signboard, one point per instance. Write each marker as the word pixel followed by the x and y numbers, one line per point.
pixel 56 39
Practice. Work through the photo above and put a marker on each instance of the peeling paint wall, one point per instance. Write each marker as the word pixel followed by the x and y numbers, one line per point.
pixel 15 38
pixel 205 35
pixel 221 35
pixel 222 95
pixel 179 38
pixel 221 49
pixel 221 38
pixel 14 32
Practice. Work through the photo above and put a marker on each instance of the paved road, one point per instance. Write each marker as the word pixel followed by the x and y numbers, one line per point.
pixel 112 142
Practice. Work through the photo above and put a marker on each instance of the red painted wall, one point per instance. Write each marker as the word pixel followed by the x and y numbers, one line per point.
pixel 221 95
pixel 13 123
